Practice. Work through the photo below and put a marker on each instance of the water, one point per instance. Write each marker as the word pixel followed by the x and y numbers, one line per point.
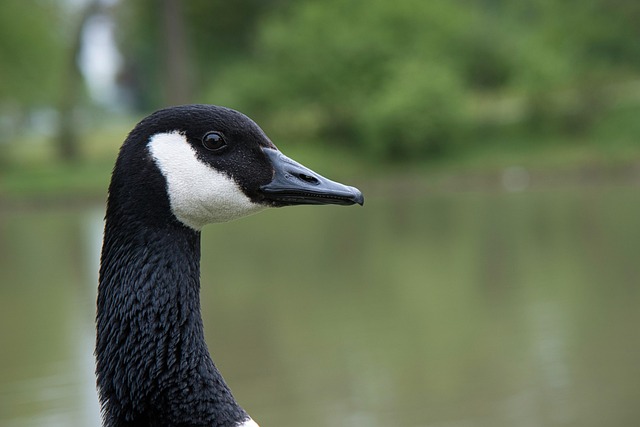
pixel 453 310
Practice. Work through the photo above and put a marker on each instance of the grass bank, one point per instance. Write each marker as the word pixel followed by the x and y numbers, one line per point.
pixel 608 154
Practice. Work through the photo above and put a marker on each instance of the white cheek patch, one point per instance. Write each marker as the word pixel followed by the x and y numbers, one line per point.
pixel 198 193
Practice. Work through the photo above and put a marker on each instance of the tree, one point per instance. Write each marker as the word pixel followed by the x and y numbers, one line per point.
pixel 31 52
pixel 173 49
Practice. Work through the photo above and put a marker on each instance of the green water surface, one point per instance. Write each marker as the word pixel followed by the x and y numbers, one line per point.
pixel 454 309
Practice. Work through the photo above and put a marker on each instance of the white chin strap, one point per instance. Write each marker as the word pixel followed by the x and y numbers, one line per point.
pixel 198 194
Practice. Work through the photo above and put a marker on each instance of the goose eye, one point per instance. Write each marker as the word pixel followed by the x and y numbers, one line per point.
pixel 213 141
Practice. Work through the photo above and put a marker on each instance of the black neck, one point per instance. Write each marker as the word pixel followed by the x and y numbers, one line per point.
pixel 153 366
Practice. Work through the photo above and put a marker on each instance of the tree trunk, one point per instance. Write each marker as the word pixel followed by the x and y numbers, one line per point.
pixel 67 140
pixel 177 65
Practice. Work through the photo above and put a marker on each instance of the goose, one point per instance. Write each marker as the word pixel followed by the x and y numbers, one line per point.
pixel 179 169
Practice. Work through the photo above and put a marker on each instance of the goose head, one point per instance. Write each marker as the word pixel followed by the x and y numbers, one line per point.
pixel 178 170
pixel 215 164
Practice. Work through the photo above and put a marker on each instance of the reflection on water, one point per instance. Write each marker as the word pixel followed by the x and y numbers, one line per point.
pixel 47 293
pixel 440 310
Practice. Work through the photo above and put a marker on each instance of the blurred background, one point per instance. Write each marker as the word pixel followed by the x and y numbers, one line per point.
pixel 491 278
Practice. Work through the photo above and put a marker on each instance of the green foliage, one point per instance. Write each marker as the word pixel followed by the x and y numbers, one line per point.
pixel 218 32
pixel 417 112
pixel 362 73
pixel 397 79
pixel 408 79
pixel 31 51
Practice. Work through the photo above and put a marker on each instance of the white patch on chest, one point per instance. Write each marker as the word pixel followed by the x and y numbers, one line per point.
pixel 198 193
pixel 249 423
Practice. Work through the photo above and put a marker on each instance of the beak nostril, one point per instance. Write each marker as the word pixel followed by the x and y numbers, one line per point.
pixel 307 178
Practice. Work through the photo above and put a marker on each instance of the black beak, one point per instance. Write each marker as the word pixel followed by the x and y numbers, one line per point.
pixel 294 184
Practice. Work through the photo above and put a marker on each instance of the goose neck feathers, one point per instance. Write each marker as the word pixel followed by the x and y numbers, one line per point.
pixel 153 366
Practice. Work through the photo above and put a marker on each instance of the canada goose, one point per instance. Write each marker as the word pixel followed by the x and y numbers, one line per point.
pixel 179 169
